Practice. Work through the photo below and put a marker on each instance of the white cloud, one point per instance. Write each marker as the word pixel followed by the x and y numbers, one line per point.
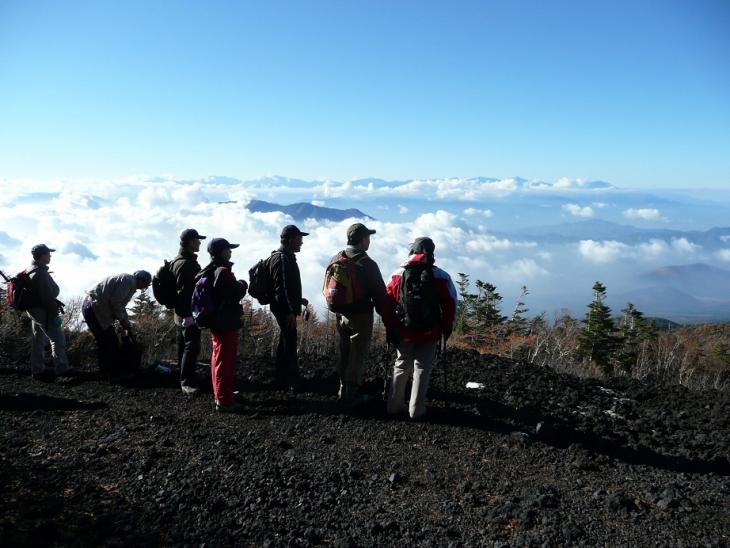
pixel 723 255
pixel 402 209
pixel 725 238
pixel 645 214
pixel 602 251
pixel 599 205
pixel 472 211
pixel 684 246
pixel 578 211
pixel 319 203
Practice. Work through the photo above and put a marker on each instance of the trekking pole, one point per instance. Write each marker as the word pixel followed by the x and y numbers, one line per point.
pixel 4 276
pixel 385 371
pixel 441 352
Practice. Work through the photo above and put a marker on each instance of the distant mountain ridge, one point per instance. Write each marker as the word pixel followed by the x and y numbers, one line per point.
pixel 303 210
pixel 597 229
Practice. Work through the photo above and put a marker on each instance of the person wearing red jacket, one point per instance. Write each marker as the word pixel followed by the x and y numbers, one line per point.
pixel 422 298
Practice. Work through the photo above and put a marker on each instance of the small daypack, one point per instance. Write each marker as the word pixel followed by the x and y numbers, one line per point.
pixel 164 285
pixel 20 293
pixel 341 287
pixel 418 307
pixel 260 282
pixel 202 304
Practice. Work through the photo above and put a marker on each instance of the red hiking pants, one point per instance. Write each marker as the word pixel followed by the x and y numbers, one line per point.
pixel 223 364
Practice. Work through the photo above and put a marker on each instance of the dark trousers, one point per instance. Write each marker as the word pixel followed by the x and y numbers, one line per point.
pixel 188 348
pixel 287 366
pixel 107 342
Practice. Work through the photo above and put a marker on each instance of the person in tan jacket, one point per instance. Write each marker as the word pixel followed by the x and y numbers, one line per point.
pixel 105 304
pixel 45 319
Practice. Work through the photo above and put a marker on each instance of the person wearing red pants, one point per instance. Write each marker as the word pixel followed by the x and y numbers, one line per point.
pixel 225 322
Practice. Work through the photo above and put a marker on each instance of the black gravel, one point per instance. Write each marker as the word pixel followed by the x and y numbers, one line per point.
pixel 533 459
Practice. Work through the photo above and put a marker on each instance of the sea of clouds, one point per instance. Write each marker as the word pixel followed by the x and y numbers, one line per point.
pixel 100 228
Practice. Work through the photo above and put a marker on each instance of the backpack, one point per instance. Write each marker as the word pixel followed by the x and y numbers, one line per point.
pixel 202 303
pixel 418 306
pixel 164 286
pixel 260 282
pixel 341 287
pixel 20 293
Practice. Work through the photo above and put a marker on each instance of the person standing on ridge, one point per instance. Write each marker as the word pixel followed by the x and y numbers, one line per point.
pixel 185 267
pixel 355 319
pixel 45 318
pixel 422 299
pixel 287 305
pixel 225 322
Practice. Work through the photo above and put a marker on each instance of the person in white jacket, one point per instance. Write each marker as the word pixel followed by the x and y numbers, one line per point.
pixel 107 303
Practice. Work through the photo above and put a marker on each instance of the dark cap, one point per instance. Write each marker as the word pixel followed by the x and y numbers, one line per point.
pixel 423 245
pixel 143 276
pixel 41 249
pixel 190 234
pixel 216 245
pixel 357 232
pixel 290 231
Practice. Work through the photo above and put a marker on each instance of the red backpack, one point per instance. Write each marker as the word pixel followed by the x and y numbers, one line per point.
pixel 342 287
pixel 20 294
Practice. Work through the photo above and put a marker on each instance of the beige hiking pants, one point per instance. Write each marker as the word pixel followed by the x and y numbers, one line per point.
pixel 416 359
pixel 41 336
pixel 356 331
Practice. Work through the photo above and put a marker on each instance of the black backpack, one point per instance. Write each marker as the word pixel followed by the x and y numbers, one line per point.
pixel 164 286
pixel 260 282
pixel 418 307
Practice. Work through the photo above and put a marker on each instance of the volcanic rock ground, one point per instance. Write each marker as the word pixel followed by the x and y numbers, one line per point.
pixel 533 459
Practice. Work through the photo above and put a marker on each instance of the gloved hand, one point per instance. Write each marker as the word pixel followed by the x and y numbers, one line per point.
pixel 391 337
pixel 56 321
pixel 187 322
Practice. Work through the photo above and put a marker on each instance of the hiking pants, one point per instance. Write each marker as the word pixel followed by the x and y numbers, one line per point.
pixel 287 366
pixel 356 331
pixel 188 348
pixel 41 336
pixel 223 364
pixel 107 342
pixel 416 359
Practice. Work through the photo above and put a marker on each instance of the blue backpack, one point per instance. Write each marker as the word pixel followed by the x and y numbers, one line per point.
pixel 202 304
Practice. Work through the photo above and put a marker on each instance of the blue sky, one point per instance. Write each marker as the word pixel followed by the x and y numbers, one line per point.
pixel 634 93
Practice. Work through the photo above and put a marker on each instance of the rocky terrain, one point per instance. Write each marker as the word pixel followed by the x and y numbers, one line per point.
pixel 532 459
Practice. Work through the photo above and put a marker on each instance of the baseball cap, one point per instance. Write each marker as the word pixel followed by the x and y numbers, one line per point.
pixel 216 245
pixel 357 232
pixel 190 234
pixel 41 249
pixel 289 231
pixel 143 276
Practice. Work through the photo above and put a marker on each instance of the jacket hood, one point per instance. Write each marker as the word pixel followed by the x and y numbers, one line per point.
pixel 417 258
pixel 210 268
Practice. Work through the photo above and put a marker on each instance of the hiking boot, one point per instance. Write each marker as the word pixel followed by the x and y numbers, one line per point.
pixel 47 375
pixel 189 390
pixel 228 408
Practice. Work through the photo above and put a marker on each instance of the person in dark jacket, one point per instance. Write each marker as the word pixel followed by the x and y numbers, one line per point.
pixel 287 304
pixel 227 294
pixel 355 324
pixel 185 267
pixel 45 318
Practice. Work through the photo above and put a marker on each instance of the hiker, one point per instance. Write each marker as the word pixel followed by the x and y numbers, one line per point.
pixel 422 298
pixel 224 320
pixel 185 267
pixel 45 319
pixel 105 304
pixel 355 318
pixel 287 305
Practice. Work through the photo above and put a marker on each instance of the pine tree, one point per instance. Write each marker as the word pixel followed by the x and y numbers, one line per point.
pixel 518 322
pixel 632 334
pixel 487 305
pixel 144 306
pixel 465 305
pixel 597 340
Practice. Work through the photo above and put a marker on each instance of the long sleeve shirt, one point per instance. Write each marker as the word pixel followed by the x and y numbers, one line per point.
pixel 110 297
